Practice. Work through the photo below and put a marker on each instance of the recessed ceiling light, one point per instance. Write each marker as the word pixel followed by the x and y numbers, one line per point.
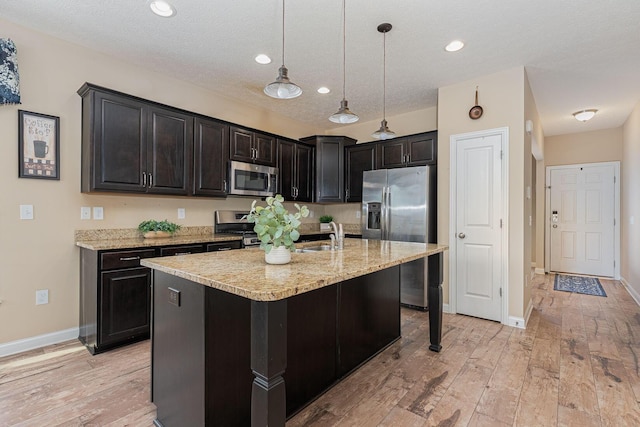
pixel 162 8
pixel 263 59
pixel 454 46
pixel 584 115
pixel 323 90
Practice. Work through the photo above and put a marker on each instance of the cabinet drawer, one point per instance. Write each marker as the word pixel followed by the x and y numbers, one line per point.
pixel 124 259
pixel 182 250
pixel 224 246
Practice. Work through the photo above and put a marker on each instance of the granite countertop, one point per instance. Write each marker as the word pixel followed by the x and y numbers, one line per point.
pixel 246 274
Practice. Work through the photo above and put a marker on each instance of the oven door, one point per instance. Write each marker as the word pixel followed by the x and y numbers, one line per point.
pixel 246 179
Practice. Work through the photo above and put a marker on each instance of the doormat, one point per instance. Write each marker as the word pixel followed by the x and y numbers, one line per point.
pixel 578 284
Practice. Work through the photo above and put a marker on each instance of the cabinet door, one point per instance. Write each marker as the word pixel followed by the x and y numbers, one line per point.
pixel 115 156
pixel 422 149
pixel 210 155
pixel 286 168
pixel 240 144
pixel 358 158
pixel 169 151
pixel 304 173
pixel 125 305
pixel 329 171
pixel 264 149
pixel 391 154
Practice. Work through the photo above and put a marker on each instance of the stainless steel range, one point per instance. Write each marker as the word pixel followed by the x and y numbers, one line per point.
pixel 235 222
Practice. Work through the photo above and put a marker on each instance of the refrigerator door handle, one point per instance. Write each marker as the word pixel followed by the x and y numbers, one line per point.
pixel 388 212
pixel 383 214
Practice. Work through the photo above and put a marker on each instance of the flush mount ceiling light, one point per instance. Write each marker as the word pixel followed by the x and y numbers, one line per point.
pixel 584 115
pixel 324 90
pixel 344 115
pixel 384 132
pixel 283 88
pixel 454 46
pixel 162 8
pixel 263 59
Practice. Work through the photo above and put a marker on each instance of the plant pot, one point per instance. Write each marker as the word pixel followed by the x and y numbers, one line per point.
pixel 325 226
pixel 279 255
pixel 157 234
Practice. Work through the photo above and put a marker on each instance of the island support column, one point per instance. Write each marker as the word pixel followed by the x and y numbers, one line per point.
pixel 434 298
pixel 268 362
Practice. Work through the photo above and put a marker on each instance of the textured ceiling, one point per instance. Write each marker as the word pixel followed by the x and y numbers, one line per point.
pixel 577 54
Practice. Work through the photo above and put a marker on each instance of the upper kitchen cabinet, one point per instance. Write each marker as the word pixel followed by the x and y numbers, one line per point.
pixel 250 146
pixel 295 168
pixel 133 145
pixel 358 158
pixel 329 167
pixel 414 150
pixel 210 155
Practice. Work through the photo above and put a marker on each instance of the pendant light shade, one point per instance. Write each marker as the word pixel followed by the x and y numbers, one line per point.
pixel 384 132
pixel 282 87
pixel 344 115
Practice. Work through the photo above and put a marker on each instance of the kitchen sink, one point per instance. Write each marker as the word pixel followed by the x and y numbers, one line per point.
pixel 314 249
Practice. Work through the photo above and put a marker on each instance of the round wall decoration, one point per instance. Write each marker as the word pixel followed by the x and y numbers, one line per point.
pixel 476 111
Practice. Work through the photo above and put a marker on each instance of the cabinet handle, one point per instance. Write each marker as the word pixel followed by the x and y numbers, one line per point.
pixel 144 179
pixel 224 185
pixel 150 180
pixel 129 258
pixel 346 194
pixel 224 249
pixel 182 253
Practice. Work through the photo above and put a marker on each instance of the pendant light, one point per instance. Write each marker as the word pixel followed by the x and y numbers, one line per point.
pixel 344 115
pixel 384 132
pixel 283 88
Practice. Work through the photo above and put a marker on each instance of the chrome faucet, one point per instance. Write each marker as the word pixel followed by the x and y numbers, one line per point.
pixel 337 238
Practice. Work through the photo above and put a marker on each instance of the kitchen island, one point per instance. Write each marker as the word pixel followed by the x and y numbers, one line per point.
pixel 236 341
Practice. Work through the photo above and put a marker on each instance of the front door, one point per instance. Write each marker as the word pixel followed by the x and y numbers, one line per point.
pixel 478 228
pixel 582 207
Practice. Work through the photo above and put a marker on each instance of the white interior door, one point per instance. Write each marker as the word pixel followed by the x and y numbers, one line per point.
pixel 478 238
pixel 582 206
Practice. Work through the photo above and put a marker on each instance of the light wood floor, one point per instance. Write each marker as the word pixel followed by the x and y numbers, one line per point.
pixel 575 365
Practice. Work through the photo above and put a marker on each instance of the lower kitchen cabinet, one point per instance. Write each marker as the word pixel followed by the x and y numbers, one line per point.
pixel 115 292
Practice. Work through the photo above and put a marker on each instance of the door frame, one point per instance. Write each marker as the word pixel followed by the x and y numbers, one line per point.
pixel 616 214
pixel 453 140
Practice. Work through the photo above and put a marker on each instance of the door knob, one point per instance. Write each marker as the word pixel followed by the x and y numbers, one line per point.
pixel 462 235
pixel 555 226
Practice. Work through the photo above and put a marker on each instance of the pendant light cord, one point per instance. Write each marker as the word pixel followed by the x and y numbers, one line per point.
pixel 344 50
pixel 283 33
pixel 384 76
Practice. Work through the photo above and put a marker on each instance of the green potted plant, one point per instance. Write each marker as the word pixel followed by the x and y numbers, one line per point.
pixel 277 229
pixel 324 222
pixel 153 229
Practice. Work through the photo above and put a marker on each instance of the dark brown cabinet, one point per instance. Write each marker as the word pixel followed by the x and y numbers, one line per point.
pixel 358 158
pixel 295 170
pixel 115 292
pixel 414 150
pixel 250 146
pixel 329 167
pixel 133 145
pixel 210 156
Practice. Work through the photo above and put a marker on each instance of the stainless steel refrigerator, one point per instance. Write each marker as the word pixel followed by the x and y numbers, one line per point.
pixel 400 204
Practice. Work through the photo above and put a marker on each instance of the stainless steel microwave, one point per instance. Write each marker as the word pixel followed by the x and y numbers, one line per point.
pixel 247 179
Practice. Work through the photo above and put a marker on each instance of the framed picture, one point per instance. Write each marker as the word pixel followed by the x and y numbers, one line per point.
pixel 39 145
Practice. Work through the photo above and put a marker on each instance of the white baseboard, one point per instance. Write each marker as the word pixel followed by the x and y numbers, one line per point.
pixel 527 313
pixel 445 308
pixel 539 270
pixel 634 294
pixel 19 346
pixel 516 322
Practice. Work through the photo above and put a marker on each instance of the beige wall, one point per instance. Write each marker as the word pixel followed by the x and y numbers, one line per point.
pixel 40 254
pixel 584 147
pixel 630 210
pixel 503 99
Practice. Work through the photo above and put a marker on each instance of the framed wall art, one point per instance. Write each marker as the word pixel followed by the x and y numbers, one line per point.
pixel 39 145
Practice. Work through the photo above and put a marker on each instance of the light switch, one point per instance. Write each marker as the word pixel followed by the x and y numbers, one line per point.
pixel 26 211
pixel 98 212
pixel 85 212
pixel 632 220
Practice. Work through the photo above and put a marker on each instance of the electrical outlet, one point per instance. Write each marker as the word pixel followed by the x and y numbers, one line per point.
pixel 98 212
pixel 181 213
pixel 358 213
pixel 311 214
pixel 42 296
pixel 26 211
pixel 85 212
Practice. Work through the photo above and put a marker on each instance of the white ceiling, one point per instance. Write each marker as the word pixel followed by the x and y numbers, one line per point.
pixel 577 53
